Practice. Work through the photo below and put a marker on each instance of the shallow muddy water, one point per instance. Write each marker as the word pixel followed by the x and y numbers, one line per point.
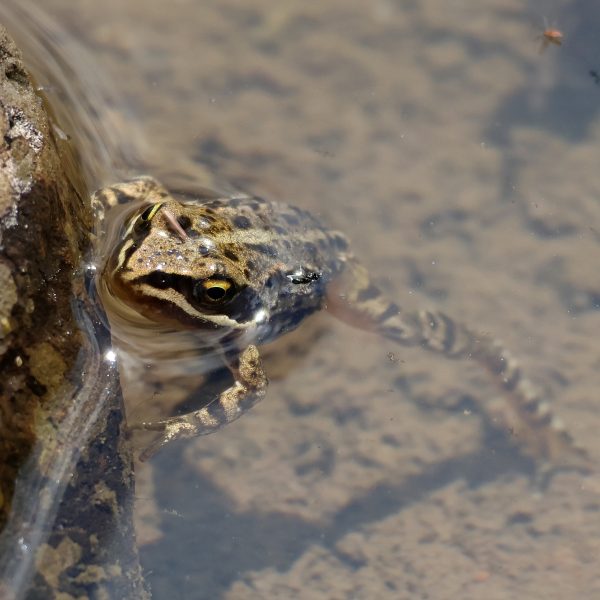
pixel 463 164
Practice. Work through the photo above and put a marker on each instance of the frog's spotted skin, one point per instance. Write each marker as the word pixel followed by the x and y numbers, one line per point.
pixel 241 271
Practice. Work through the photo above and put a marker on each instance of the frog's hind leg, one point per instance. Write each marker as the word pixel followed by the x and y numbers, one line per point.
pixel 250 387
pixel 357 300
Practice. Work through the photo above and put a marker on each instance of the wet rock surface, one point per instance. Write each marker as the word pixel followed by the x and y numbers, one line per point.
pixel 65 473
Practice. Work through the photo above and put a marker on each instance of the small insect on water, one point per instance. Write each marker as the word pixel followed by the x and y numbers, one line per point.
pixel 550 35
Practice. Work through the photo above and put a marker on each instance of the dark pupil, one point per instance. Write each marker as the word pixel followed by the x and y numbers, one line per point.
pixel 216 293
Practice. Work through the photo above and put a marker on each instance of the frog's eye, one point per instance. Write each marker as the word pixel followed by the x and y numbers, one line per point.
pixel 214 291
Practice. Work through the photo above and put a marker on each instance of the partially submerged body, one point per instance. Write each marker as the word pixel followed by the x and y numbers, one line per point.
pixel 234 273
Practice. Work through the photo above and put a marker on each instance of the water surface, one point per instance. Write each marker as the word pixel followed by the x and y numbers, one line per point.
pixel 462 162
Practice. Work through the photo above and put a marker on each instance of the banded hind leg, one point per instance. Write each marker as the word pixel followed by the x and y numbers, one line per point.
pixel 355 299
pixel 250 386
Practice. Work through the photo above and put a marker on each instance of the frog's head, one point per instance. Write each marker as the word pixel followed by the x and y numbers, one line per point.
pixel 178 264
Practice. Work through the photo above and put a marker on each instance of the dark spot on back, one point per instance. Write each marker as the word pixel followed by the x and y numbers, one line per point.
pixel 251 265
pixel 265 249
pixel 242 222
pixel 231 255
pixel 213 204
pixel 184 221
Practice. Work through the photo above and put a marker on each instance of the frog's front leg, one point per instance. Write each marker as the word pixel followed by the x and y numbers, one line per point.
pixel 249 388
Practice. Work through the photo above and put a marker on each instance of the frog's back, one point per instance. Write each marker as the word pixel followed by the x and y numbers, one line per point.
pixel 284 251
pixel 276 233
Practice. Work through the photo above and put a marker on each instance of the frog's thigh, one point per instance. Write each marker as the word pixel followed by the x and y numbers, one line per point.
pixel 249 388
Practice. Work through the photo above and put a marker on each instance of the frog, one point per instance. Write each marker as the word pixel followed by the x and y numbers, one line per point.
pixel 238 271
